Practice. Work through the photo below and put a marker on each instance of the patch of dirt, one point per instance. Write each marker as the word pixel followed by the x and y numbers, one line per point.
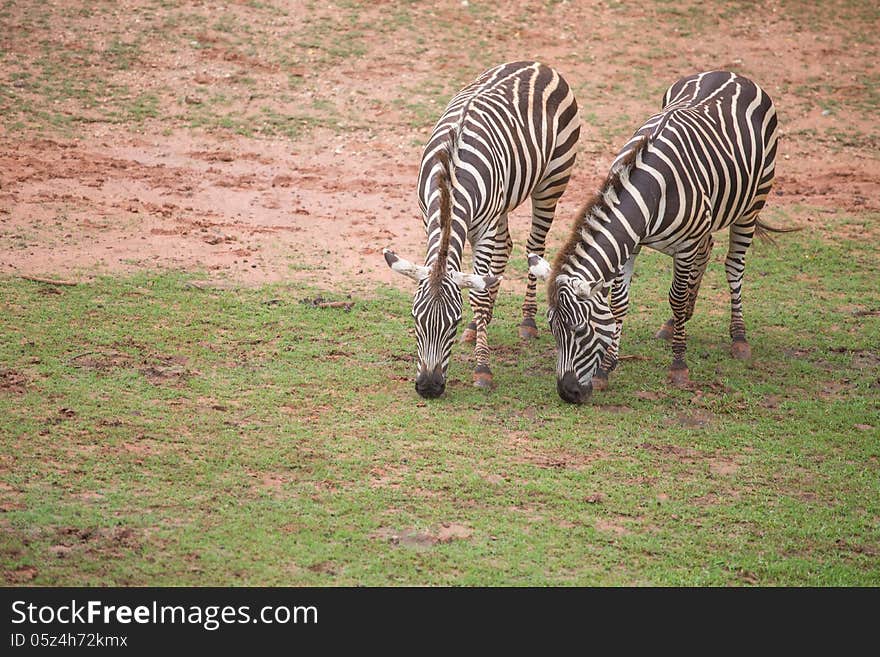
pixel 718 465
pixel 619 525
pixel 159 369
pixel 325 568
pixel 444 533
pixel 270 482
pixel 723 466
pixel 613 408
pixel 865 360
pixel 144 447
pixel 100 361
pixel 683 454
pixel 89 496
pixel 452 532
pixel 387 476
pixel 494 479
pixel 105 541
pixel 21 575
pixel 696 418
pixel 712 498
pixel 320 206
pixel 12 381
pixel 533 453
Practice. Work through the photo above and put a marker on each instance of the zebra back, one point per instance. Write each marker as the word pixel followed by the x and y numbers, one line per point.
pixel 700 164
pixel 502 132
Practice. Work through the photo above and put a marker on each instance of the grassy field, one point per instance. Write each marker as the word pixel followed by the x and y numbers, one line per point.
pixel 180 427
pixel 157 431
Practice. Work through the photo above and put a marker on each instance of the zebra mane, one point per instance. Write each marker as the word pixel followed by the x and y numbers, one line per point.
pixel 444 158
pixel 595 211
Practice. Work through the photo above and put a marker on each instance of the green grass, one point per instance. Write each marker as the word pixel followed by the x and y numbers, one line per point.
pixel 158 433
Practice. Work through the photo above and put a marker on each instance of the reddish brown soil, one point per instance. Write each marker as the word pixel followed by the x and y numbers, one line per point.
pixel 319 208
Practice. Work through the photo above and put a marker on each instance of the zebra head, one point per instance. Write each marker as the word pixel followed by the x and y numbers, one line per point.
pixel 583 326
pixel 436 309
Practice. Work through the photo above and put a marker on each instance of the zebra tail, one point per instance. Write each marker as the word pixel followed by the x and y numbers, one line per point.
pixel 765 231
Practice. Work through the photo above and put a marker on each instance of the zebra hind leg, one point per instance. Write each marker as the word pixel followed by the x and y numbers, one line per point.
pixel 679 375
pixel 741 234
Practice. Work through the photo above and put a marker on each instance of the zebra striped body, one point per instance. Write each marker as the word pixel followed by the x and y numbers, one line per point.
pixel 508 136
pixel 705 162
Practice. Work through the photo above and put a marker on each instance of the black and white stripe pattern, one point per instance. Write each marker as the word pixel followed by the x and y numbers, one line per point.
pixel 508 136
pixel 704 163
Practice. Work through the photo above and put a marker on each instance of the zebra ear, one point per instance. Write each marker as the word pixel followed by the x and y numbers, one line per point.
pixel 474 281
pixel 539 267
pixel 584 290
pixel 581 288
pixel 405 267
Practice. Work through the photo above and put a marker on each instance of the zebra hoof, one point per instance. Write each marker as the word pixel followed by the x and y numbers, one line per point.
pixel 741 350
pixel 666 331
pixel 528 330
pixel 600 380
pixel 470 333
pixel 679 377
pixel 483 378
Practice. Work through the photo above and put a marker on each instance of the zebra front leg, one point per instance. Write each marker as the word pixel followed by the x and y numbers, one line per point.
pixel 609 362
pixel 492 256
pixel 678 301
pixel 741 234
pixel 528 328
pixel 544 202
pixel 701 260
pixel 482 303
pixel 619 307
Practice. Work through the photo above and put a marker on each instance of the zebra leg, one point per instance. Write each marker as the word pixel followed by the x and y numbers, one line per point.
pixel 678 300
pixel 491 259
pixel 545 196
pixel 619 295
pixel 528 328
pixel 543 210
pixel 741 234
pixel 619 307
pixel 482 302
pixel 701 260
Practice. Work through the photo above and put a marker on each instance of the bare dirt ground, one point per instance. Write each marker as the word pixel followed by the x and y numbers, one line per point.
pixel 269 142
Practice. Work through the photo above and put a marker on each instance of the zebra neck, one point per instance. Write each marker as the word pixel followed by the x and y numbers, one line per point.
pixel 614 225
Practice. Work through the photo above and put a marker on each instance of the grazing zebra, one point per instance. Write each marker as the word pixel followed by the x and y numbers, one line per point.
pixel 705 162
pixel 509 135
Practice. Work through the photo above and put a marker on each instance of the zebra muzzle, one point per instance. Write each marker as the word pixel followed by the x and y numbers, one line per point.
pixel 430 384
pixel 571 390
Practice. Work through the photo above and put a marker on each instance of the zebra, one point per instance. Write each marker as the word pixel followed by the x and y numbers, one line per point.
pixel 705 162
pixel 509 135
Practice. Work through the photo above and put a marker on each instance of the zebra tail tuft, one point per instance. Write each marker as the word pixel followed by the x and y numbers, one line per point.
pixel 765 231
